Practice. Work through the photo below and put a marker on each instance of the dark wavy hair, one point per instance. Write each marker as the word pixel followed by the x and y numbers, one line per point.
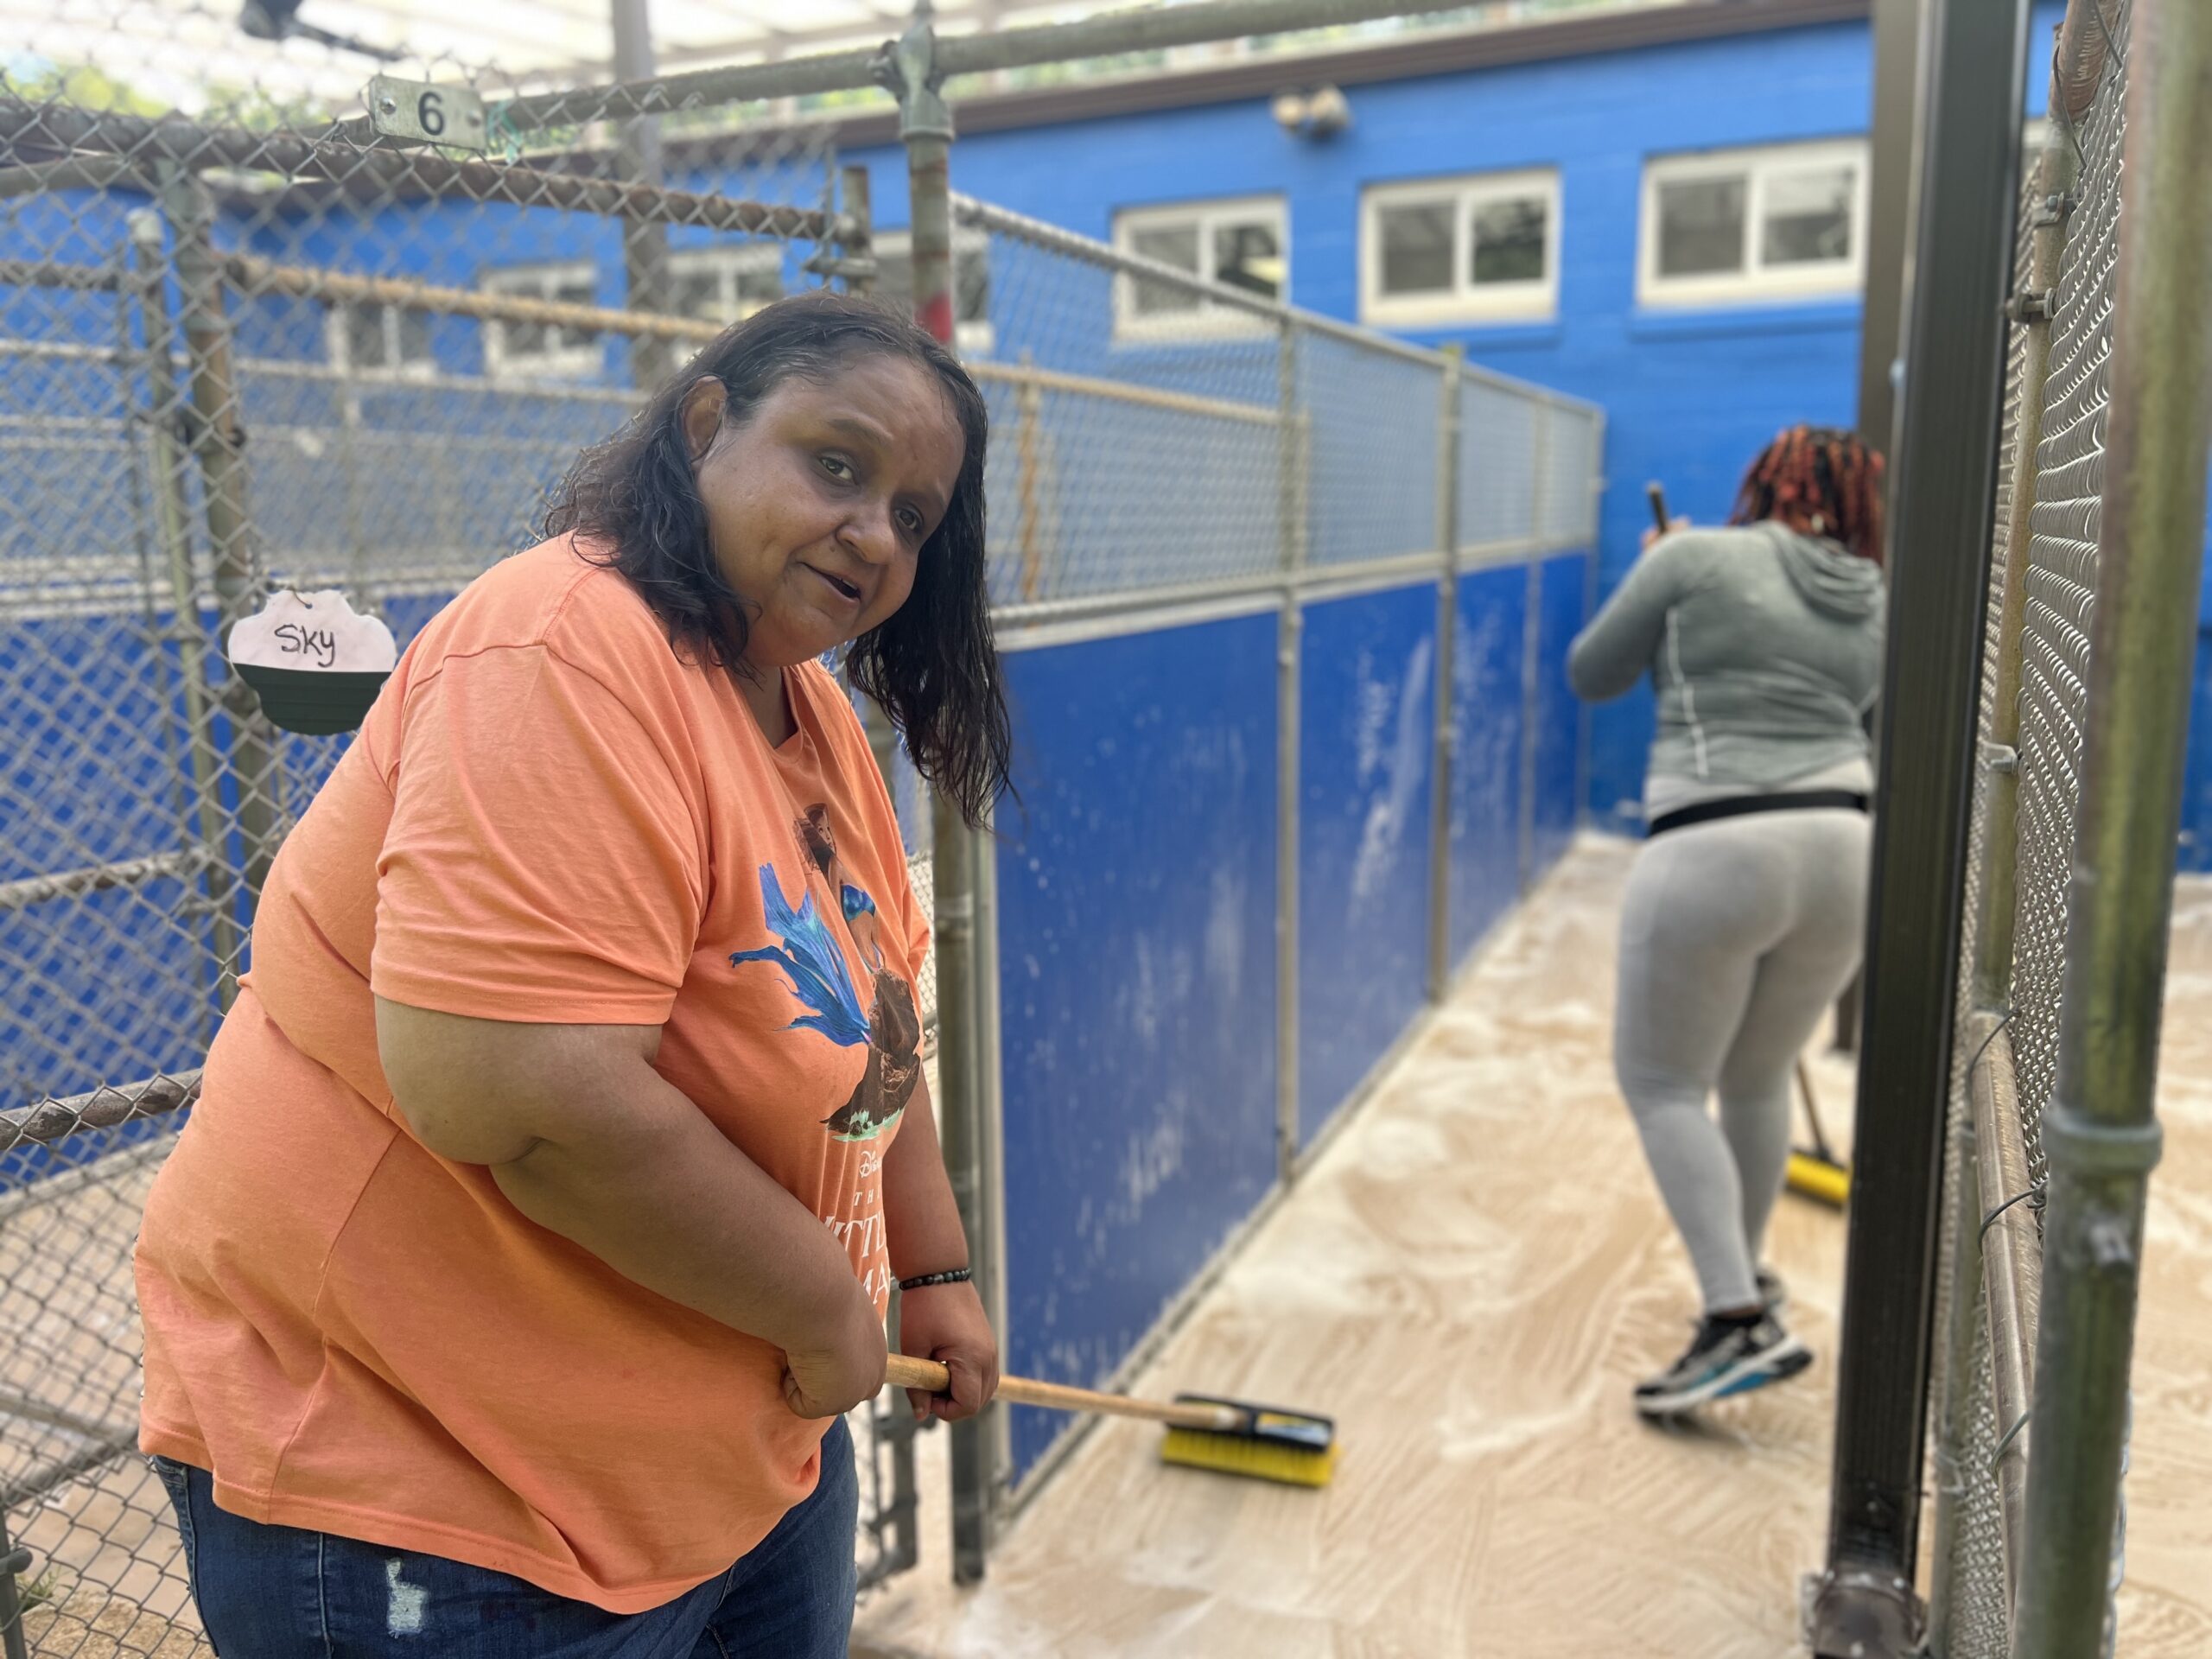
pixel 633 504
pixel 1821 480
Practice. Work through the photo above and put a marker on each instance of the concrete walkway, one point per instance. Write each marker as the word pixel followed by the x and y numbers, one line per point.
pixel 1470 1282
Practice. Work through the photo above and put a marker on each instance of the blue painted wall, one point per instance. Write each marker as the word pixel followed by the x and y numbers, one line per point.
pixel 1366 758
pixel 1136 896
pixel 1488 649
pixel 1562 588
pixel 1137 945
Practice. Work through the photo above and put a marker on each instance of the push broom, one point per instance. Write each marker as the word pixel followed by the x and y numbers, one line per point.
pixel 1228 1436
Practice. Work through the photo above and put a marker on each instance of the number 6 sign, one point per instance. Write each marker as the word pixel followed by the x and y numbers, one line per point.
pixel 421 112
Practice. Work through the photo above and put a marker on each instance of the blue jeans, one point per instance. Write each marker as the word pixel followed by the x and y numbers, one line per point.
pixel 277 1593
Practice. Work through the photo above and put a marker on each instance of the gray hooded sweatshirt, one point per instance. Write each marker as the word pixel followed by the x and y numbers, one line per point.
pixel 1765 649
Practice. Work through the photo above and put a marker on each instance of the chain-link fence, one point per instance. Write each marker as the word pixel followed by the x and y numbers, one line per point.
pixel 250 346
pixel 1173 448
pixel 255 341
pixel 2034 716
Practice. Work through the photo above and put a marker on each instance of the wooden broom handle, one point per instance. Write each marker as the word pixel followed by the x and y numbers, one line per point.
pixel 905 1371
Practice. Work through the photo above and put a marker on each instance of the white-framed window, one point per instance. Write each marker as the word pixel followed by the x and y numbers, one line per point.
pixel 725 284
pixel 544 350
pixel 893 252
pixel 1784 222
pixel 380 339
pixel 1483 247
pixel 1243 244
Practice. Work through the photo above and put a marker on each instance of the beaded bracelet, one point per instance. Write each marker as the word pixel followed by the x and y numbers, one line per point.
pixel 949 1276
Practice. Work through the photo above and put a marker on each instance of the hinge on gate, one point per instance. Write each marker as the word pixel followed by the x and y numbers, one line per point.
pixel 2031 305
pixel 2051 209
pixel 2001 757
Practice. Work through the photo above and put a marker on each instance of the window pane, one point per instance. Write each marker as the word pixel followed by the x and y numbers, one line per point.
pixel 1168 244
pixel 364 337
pixel 1249 257
pixel 577 290
pixel 1808 216
pixel 1701 227
pixel 414 337
pixel 1509 240
pixel 1173 244
pixel 1416 248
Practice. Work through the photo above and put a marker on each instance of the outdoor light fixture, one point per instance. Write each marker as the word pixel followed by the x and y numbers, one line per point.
pixel 1311 113
pixel 279 20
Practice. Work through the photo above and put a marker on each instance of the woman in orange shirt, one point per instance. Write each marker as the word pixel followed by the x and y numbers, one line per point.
pixel 552 1170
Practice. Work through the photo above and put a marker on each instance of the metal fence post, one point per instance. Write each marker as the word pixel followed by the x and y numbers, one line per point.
pixel 995 1427
pixel 853 258
pixel 644 240
pixel 218 441
pixel 1955 1432
pixel 1532 645
pixel 908 67
pixel 855 247
pixel 1447 621
pixel 13 1561
pixel 2101 1131
pixel 1863 1606
pixel 1289 634
pixel 1592 575
pixel 1992 965
pixel 149 273
pixel 1028 420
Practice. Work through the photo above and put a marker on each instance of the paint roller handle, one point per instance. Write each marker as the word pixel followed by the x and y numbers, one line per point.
pixel 906 1371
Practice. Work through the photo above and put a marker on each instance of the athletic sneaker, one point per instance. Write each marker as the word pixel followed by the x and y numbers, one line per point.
pixel 1773 1293
pixel 1727 1357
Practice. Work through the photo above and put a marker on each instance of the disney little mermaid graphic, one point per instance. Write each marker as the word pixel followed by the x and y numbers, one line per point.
pixel 815 969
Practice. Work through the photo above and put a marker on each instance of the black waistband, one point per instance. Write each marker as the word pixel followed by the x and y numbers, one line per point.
pixel 1736 806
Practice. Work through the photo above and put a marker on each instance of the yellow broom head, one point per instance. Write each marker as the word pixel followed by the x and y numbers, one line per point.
pixel 1292 1448
pixel 1817 1178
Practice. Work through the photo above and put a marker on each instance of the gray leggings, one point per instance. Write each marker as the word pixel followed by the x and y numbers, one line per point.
pixel 1736 937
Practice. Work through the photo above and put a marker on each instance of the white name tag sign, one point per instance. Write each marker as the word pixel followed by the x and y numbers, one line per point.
pixel 315 662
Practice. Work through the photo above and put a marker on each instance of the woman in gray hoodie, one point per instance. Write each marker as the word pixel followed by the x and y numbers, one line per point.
pixel 1745 907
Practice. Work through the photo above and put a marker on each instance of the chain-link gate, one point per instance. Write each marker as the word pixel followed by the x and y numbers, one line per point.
pixel 2053 477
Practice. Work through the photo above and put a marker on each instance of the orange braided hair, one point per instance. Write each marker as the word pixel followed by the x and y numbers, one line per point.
pixel 1819 480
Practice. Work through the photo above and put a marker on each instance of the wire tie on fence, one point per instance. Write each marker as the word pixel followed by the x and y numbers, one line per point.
pixel 2005 1442
pixel 1994 1032
pixel 2032 1197
pixel 501 134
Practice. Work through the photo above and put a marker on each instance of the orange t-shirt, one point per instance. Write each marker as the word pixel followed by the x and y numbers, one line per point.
pixel 548 817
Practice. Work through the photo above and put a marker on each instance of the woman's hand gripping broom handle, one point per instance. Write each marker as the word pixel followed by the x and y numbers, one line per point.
pixel 905 1371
